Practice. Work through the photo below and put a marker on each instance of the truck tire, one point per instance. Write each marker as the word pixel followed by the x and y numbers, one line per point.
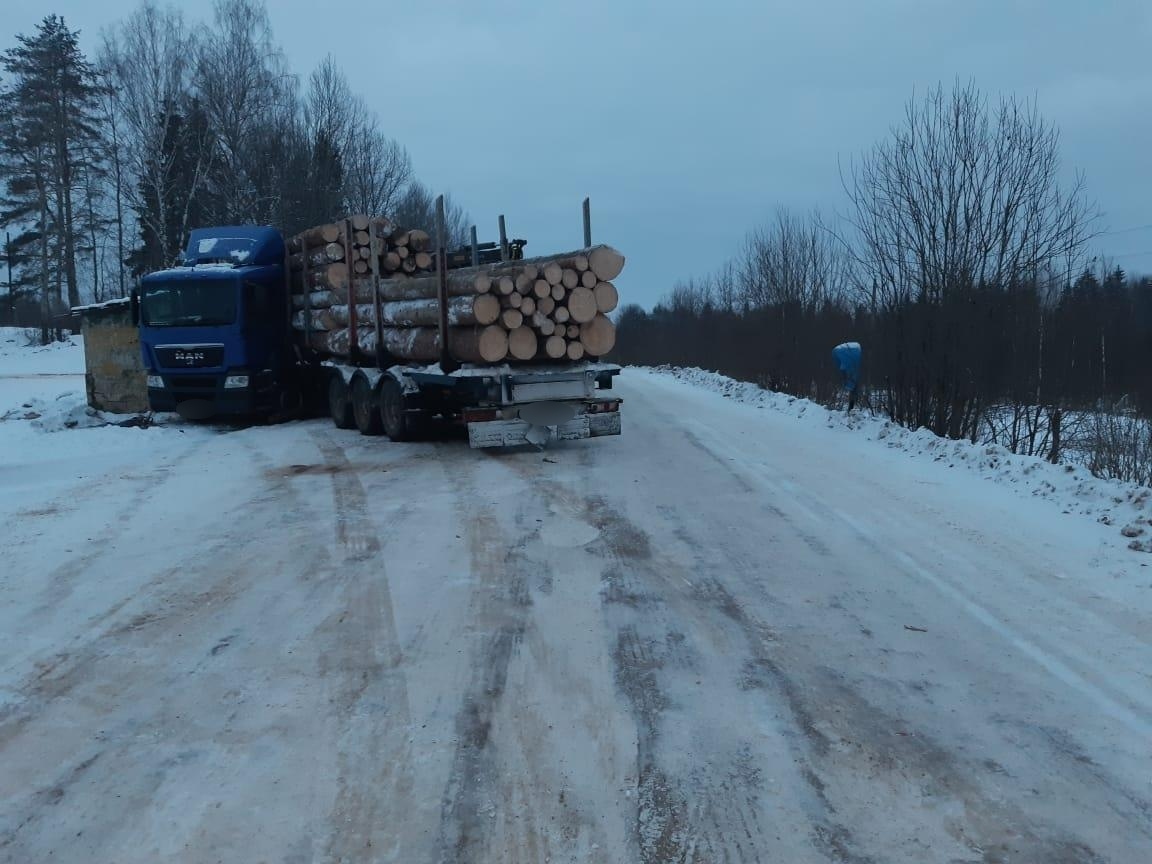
pixel 364 408
pixel 339 407
pixel 397 425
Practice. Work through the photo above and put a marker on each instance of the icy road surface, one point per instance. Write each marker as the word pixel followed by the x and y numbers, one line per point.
pixel 724 636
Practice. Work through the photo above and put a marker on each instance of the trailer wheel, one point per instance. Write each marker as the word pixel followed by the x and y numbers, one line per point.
pixel 339 407
pixel 397 425
pixel 364 408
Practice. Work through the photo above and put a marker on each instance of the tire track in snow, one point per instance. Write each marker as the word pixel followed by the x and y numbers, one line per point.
pixel 712 811
pixel 366 667
pixel 500 606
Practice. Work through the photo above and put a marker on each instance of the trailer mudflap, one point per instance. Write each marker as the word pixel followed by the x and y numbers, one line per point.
pixel 510 433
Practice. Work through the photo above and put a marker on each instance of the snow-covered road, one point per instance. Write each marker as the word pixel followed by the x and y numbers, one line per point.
pixel 723 636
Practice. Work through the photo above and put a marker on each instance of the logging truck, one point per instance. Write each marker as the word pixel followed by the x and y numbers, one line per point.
pixel 382 333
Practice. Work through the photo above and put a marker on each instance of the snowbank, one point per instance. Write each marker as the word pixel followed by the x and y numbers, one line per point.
pixel 20 355
pixel 1071 487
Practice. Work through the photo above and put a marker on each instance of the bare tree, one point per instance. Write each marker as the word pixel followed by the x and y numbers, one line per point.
pixel 148 62
pixel 416 208
pixel 245 89
pixel 377 169
pixel 964 194
pixel 792 260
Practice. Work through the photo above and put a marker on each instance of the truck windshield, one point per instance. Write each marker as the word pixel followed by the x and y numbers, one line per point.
pixel 189 302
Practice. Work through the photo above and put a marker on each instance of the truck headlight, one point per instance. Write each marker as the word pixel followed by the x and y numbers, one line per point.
pixel 156 382
pixel 234 382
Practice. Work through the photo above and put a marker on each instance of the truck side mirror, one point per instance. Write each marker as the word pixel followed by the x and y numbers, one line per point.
pixel 134 305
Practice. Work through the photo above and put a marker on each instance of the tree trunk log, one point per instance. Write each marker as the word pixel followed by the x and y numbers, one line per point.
pixel 552 273
pixel 482 309
pixel 419 241
pixel 581 305
pixel 555 347
pixel 317 257
pixel 588 279
pixel 360 222
pixel 511 319
pixel 607 298
pixel 573 331
pixel 420 344
pixel 423 261
pixel 332 276
pixel 575 350
pixel 547 305
pixel 460 284
pixel 522 343
pixel 561 314
pixel 317 236
pixel 569 278
pixel 598 336
pixel 544 324
pixel 605 262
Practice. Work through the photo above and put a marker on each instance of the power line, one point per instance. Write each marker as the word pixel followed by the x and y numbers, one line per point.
pixel 1127 230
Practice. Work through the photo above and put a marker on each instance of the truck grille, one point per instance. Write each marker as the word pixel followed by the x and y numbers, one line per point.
pixel 191 382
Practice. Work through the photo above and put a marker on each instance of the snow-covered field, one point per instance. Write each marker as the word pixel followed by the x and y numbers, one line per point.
pixel 746 630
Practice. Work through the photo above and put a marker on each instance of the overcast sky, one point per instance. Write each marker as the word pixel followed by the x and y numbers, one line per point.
pixel 687 123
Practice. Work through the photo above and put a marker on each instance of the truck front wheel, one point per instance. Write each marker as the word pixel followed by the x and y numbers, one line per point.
pixel 364 409
pixel 338 405
pixel 397 425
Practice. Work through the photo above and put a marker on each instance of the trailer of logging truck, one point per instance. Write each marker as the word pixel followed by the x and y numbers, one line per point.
pixel 385 331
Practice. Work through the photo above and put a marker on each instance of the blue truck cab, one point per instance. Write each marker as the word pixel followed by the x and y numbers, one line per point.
pixel 214 330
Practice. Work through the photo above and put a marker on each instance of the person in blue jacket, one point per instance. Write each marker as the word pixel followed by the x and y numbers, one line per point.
pixel 847 356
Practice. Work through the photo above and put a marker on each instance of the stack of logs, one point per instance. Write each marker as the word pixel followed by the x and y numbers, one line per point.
pixel 325 256
pixel 542 309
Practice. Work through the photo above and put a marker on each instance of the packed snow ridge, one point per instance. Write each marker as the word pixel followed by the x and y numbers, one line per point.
pixel 1071 487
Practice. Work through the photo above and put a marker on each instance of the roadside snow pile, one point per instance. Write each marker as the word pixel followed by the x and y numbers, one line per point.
pixel 69 410
pixel 1071 487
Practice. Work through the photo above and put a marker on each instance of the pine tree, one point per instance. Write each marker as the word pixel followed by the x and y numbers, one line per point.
pixel 52 136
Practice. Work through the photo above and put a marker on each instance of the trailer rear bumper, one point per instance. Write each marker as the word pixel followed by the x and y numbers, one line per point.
pixel 516 432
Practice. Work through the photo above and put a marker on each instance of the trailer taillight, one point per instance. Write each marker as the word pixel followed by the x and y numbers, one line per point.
pixel 603 407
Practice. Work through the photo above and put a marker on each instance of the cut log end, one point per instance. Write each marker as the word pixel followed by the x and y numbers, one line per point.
pixel 605 262
pixel 486 308
pixel 493 344
pixel 607 298
pixel 556 347
pixel 582 305
pixel 522 343
pixel 598 336
pixel 575 351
